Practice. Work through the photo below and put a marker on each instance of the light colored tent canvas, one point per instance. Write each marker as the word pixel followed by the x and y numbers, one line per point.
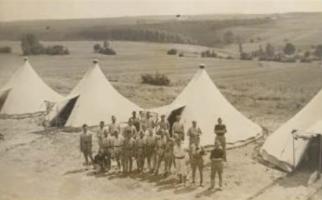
pixel 26 92
pixel 279 149
pixel 93 99
pixel 202 101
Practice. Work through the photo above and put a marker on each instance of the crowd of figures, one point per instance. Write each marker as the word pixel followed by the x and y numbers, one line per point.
pixel 146 144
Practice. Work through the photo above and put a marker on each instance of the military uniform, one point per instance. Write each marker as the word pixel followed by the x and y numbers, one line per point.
pixel 112 128
pixel 86 146
pixel 127 154
pixel 136 123
pixel 150 150
pixel 194 135
pixel 178 130
pixel 168 155
pixel 180 159
pixel 140 153
pixel 129 131
pixel 197 162
pixel 220 131
pixel 108 150
pixel 216 157
pixel 163 127
pixel 117 148
pixel 100 136
pixel 159 152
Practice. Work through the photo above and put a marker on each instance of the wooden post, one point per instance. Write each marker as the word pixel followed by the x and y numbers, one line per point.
pixel 320 155
pixel 293 132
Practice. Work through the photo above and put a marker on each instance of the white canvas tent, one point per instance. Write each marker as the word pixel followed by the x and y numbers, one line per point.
pixel 281 149
pixel 93 100
pixel 25 92
pixel 202 101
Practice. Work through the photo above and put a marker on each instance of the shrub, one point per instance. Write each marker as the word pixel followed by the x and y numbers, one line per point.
pixel 155 79
pixel 208 54
pixel 30 45
pixel 289 49
pixel 5 49
pixel 172 52
pixel 318 51
pixel 97 48
pixel 107 51
pixel 181 54
pixel 57 50
pixel 246 56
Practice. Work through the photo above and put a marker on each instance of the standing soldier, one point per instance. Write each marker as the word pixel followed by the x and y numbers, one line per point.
pixel 178 128
pixel 149 122
pixel 130 129
pixel 140 147
pixel 220 131
pixel 216 160
pixel 163 126
pixel 108 149
pixel 86 144
pixel 117 148
pixel 149 149
pixel 194 133
pixel 135 121
pixel 114 126
pixel 159 151
pixel 180 159
pixel 100 135
pixel 168 155
pixel 197 162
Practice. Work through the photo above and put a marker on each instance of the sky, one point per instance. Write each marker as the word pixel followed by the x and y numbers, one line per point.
pixel 11 10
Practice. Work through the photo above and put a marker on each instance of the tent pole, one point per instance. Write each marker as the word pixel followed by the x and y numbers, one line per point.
pixel 293 151
pixel 320 156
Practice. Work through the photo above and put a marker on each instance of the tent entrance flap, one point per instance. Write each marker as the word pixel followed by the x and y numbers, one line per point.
pixel 172 117
pixel 3 97
pixel 62 117
pixel 312 157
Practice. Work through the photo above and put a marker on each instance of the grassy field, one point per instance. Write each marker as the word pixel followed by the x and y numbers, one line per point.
pixel 267 92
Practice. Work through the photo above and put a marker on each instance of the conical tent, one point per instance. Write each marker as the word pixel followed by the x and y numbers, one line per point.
pixel 281 149
pixel 26 92
pixel 93 100
pixel 202 101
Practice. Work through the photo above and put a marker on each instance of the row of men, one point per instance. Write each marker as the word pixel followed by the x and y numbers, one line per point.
pixel 152 142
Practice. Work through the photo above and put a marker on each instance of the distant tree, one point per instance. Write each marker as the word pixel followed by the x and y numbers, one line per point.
pixel 30 45
pixel 5 49
pixel 57 50
pixel 97 48
pixel 318 51
pixel 172 52
pixel 228 37
pixel 307 54
pixel 289 49
pixel 269 50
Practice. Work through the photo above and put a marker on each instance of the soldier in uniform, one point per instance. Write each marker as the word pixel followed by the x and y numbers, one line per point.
pixel 178 128
pixel 216 160
pixel 159 151
pixel 135 121
pixel 163 126
pixel 130 130
pixel 220 131
pixel 149 149
pixel 168 155
pixel 100 135
pixel 86 144
pixel 117 148
pixel 180 158
pixel 140 151
pixel 194 133
pixel 114 126
pixel 149 122
pixel 127 153
pixel 108 149
pixel 197 162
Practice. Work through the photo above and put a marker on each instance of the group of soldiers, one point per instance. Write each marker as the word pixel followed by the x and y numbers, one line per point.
pixel 150 141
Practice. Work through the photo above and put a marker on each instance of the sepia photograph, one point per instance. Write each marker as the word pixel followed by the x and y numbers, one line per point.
pixel 160 99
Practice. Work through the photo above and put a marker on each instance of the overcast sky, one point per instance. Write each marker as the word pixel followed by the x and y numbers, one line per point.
pixel 60 9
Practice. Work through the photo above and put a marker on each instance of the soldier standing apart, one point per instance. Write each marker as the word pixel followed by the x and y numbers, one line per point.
pixel 178 128
pixel 216 160
pixel 159 151
pixel 220 131
pixel 194 133
pixel 180 160
pixel 86 144
pixel 149 149
pixel 197 162
pixel 140 147
pixel 117 147
pixel 168 155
